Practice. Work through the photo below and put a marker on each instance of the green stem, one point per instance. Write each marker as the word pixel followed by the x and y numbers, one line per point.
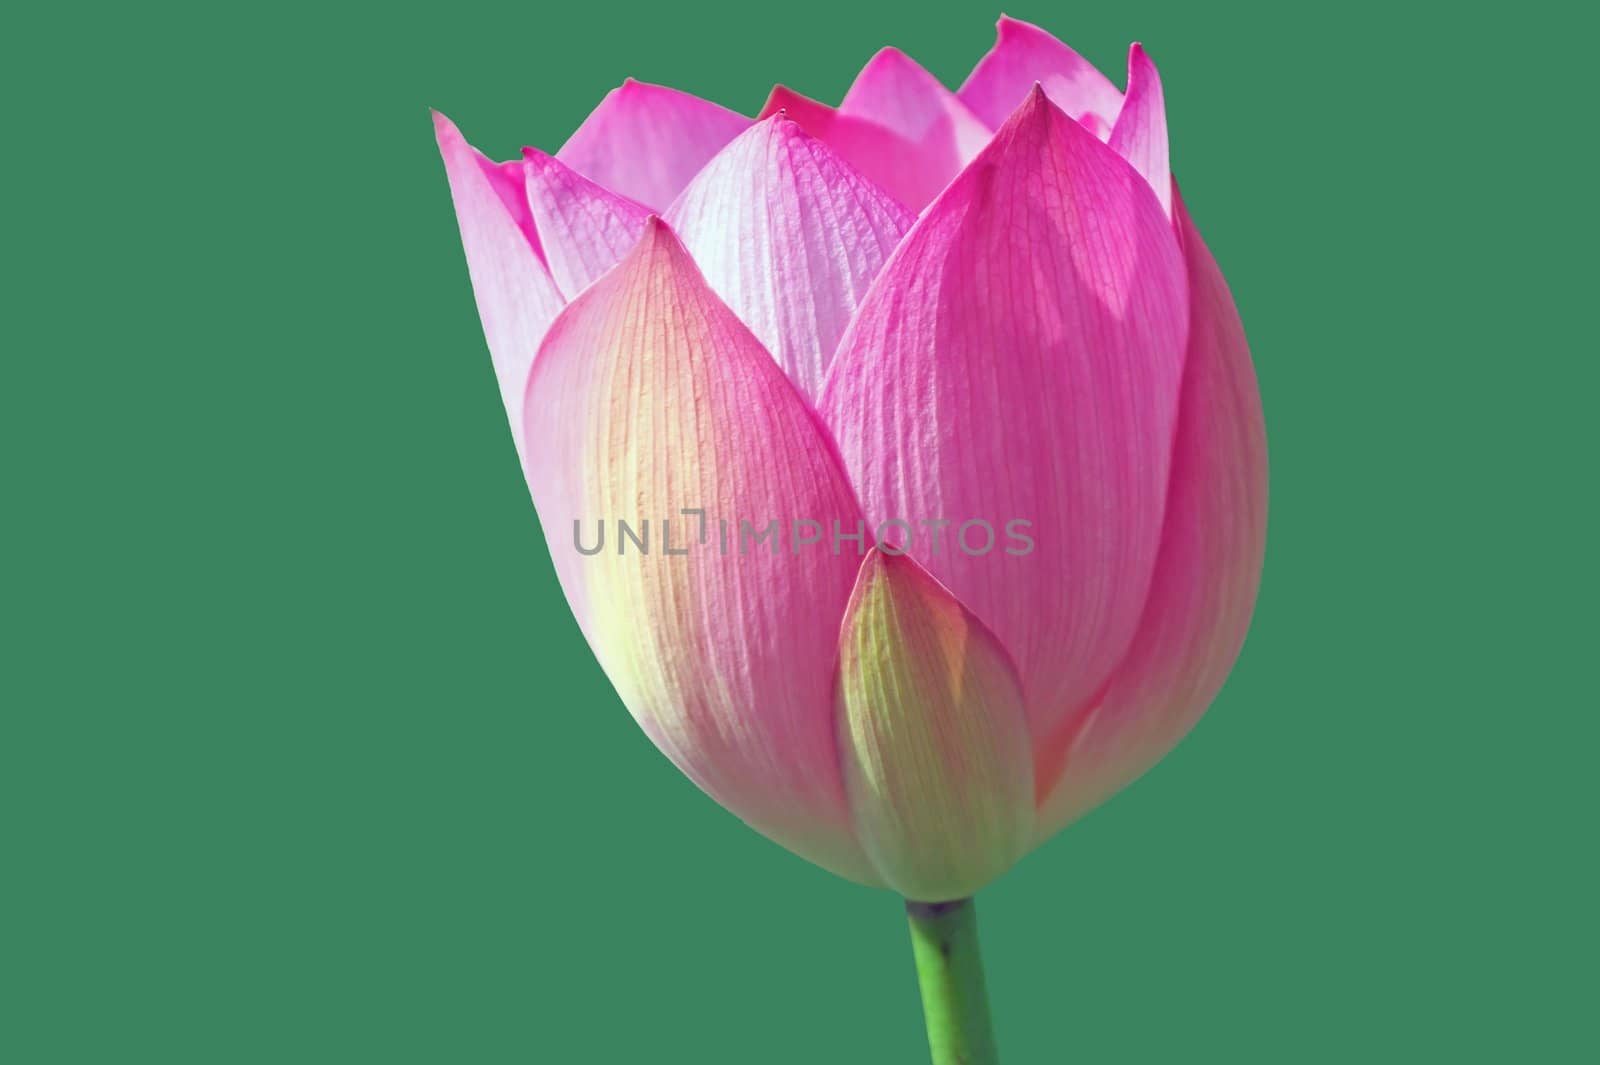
pixel 944 939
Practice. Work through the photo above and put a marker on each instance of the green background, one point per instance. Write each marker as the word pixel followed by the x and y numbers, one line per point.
pixel 304 760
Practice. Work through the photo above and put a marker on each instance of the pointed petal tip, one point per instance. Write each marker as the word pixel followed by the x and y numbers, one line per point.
pixel 811 117
pixel 645 141
pixel 1139 134
pixel 889 54
pixel 657 248
pixel 517 299
pixel 1036 117
pixel 779 100
pixel 1023 53
pixel 1008 28
pixel 874 564
pixel 658 237
pixel 762 209
pixel 789 103
pixel 784 127
pixel 902 568
pixel 1034 109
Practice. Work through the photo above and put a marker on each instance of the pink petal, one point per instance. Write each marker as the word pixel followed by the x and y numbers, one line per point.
pixel 649 397
pixel 1210 563
pixel 1140 135
pixel 934 736
pixel 646 141
pixel 586 229
pixel 508 180
pixel 904 170
pixel 1019 360
pixel 1096 125
pixel 517 300
pixel 790 236
pixel 895 91
pixel 1023 55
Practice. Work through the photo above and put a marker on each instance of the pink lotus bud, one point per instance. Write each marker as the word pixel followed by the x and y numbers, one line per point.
pixel 902 462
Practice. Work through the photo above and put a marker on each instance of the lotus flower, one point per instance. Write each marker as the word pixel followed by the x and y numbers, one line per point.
pixel 944 421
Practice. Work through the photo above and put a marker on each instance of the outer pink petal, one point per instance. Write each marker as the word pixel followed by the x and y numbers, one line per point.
pixel 1024 54
pixel 895 91
pixel 1019 360
pixel 517 300
pixel 649 397
pixel 586 230
pixel 1210 564
pixel 646 141
pixel 790 236
pixel 934 735
pixel 1140 135
pixel 900 167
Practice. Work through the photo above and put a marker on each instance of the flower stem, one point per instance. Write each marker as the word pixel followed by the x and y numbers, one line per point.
pixel 944 940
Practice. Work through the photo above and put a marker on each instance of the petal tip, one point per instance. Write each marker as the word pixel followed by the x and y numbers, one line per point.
pixel 531 154
pixel 873 564
pixel 443 128
pixel 633 90
pixel 655 228
pixel 657 247
pixel 1008 28
pixel 784 128
pixel 657 238
pixel 903 571
pixel 889 54
pixel 779 100
pixel 1034 109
